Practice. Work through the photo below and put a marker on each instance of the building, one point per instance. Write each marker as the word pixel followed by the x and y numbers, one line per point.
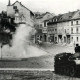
pixel 40 26
pixel 67 28
pixel 44 30
pixel 53 29
pixel 20 12
pixel 75 28
pixel 64 28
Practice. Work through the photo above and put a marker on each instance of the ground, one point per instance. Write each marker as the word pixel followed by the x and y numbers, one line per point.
pixel 40 62
pixel 33 75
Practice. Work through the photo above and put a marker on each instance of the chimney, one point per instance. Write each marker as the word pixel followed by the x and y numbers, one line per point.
pixel 9 3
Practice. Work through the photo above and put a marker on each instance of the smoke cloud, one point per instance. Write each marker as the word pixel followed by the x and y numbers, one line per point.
pixel 21 44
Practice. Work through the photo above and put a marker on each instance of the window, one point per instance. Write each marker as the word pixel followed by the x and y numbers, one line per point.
pixel 55 29
pixel 41 25
pixel 50 20
pixel 17 10
pixel 71 30
pixel 56 19
pixel 44 24
pixel 70 16
pixel 77 38
pixel 14 7
pixel 76 22
pixel 53 20
pixel 71 23
pixel 76 30
pixel 72 38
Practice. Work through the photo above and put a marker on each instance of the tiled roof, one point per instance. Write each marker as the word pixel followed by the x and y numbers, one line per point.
pixel 55 19
pixel 63 17
pixel 42 15
pixel 67 16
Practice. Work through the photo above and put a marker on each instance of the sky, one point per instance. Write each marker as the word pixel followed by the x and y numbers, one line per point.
pixel 53 6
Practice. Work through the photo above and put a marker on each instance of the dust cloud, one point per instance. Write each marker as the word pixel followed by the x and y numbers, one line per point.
pixel 21 44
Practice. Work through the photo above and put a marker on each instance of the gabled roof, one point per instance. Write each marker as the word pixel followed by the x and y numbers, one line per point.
pixel 22 6
pixel 77 15
pixel 42 15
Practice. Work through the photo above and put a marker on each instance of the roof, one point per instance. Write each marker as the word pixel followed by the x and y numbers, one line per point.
pixel 22 6
pixel 67 16
pixel 42 15
pixel 63 17
pixel 77 15
pixel 55 18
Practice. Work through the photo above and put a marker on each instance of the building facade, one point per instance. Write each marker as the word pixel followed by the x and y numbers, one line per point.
pixel 64 28
pixel 41 26
pixel 20 12
pixel 52 29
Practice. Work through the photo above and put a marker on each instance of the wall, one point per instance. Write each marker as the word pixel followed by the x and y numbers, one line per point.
pixel 22 10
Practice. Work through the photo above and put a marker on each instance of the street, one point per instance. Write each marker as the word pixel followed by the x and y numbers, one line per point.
pixel 35 64
pixel 32 75
pixel 45 61
pixel 57 48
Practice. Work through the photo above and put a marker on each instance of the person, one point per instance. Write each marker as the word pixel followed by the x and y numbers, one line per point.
pixel 77 50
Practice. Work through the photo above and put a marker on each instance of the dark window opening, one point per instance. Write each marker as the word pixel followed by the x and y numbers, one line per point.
pixel 71 23
pixel 71 30
pixel 76 22
pixel 14 7
pixel 76 30
pixel 77 38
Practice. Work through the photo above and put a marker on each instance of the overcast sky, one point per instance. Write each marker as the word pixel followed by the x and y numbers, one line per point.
pixel 53 6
